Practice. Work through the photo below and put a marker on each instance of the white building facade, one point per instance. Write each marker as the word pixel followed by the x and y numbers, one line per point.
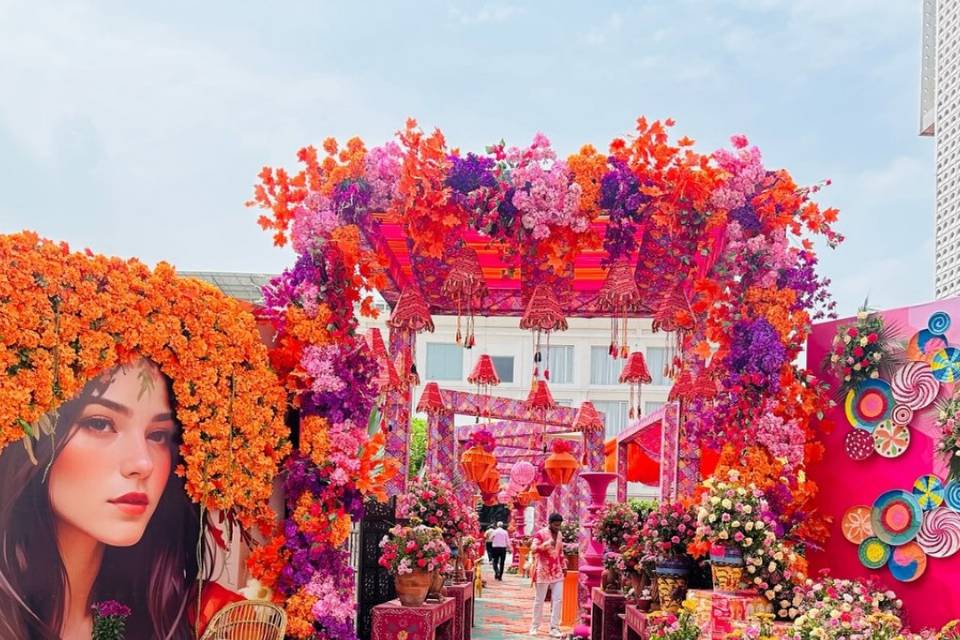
pixel 940 118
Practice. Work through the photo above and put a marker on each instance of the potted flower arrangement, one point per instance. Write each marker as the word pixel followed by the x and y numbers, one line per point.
pixel 614 521
pixel 948 423
pixel 666 532
pixel 863 351
pixel 682 625
pixel 638 565
pixel 414 555
pixel 610 580
pixel 866 609
pixel 570 532
pixel 731 525
pixel 110 620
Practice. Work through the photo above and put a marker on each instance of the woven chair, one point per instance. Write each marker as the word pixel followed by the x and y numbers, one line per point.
pixel 247 620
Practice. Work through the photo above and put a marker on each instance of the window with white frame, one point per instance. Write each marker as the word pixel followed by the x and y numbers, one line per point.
pixel 504 367
pixel 444 361
pixel 656 362
pixel 560 364
pixel 603 368
pixel 614 416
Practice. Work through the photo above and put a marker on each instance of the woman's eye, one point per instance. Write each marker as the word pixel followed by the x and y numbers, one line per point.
pixel 162 436
pixel 97 424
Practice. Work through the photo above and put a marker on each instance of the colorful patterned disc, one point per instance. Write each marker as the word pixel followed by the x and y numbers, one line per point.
pixel 891 440
pixel 951 495
pixel 928 490
pixel 914 386
pixel 858 445
pixel 938 323
pixel 896 517
pixel 939 535
pixel 902 414
pixel 856 525
pixel 924 344
pixel 946 364
pixel 907 562
pixel 869 404
pixel 873 553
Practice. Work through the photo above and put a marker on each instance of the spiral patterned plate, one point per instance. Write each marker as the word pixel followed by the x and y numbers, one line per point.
pixel 907 562
pixel 891 440
pixel 858 445
pixel 946 364
pixel 928 490
pixel 951 495
pixel 873 553
pixel 938 323
pixel 856 525
pixel 869 404
pixel 939 535
pixel 924 344
pixel 914 386
pixel 902 414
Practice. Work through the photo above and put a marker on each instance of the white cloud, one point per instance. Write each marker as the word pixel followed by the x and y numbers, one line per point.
pixel 488 13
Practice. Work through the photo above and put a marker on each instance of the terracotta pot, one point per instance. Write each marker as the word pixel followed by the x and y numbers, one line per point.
pixel 573 561
pixel 560 467
pixel 476 462
pixel 412 588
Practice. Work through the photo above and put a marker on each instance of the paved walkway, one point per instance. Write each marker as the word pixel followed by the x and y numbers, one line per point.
pixel 504 610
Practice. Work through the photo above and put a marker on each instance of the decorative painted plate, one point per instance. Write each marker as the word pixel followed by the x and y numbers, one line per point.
pixel 946 364
pixel 891 440
pixel 856 525
pixel 902 414
pixel 873 553
pixel 869 404
pixel 858 445
pixel 896 517
pixel 928 490
pixel 939 535
pixel 924 344
pixel 951 495
pixel 938 323
pixel 907 562
pixel 914 386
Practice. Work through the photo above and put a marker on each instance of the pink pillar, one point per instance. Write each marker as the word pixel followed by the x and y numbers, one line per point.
pixel 520 528
pixel 592 566
pixel 398 407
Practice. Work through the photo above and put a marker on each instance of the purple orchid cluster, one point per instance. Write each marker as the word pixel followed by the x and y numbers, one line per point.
pixel 474 182
pixel 621 198
pixel 757 355
pixel 347 389
pixel 812 291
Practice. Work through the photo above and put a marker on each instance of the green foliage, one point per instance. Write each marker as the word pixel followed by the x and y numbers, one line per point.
pixel 418 445
pixel 642 507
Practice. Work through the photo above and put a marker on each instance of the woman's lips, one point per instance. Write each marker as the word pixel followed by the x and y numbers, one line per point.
pixel 131 503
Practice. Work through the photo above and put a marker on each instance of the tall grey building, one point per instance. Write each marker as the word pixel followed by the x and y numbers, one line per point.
pixel 940 118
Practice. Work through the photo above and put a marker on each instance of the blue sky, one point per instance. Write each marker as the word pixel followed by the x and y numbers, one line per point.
pixel 139 130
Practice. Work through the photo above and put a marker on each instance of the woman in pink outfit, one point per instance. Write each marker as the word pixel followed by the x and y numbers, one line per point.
pixel 548 572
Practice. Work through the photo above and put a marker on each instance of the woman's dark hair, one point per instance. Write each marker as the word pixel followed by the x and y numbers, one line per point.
pixel 156 577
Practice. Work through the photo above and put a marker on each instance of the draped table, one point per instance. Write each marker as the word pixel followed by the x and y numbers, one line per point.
pixel 429 621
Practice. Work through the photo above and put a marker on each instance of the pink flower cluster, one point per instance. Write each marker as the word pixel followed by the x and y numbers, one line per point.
pixel 333 599
pixel 382 171
pixel 546 194
pixel 668 530
pixel 312 222
pixel 320 363
pixel 433 501
pixel 416 548
pixel 745 166
pixel 783 440
pixel 835 609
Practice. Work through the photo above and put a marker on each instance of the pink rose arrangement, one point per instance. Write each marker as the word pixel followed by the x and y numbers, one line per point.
pixel 433 501
pixel 668 529
pixel 731 514
pixel 948 444
pixel 615 521
pixel 416 548
pixel 682 625
pixel 841 609
pixel 862 351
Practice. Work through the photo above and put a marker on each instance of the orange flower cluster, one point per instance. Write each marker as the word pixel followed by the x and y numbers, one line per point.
pixel 66 317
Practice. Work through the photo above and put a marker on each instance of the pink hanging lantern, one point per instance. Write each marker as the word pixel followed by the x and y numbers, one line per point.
pixel 522 473
pixel 431 400
pixel 619 295
pixel 674 314
pixel 543 315
pixel 636 374
pixel 411 315
pixel 375 342
pixel 484 375
pixel 588 418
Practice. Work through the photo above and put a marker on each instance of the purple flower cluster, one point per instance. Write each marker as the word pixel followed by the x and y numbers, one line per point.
pixel 111 609
pixel 468 174
pixel 351 198
pixel 812 291
pixel 621 198
pixel 357 368
pixel 747 218
pixel 757 354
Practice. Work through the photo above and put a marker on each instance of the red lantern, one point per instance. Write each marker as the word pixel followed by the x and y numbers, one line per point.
pixel 636 374
pixel 476 462
pixel 431 400
pixel 375 341
pixel 588 419
pixel 542 315
pixel 411 315
pixel 619 295
pixel 465 285
pixel 484 373
pixel 540 398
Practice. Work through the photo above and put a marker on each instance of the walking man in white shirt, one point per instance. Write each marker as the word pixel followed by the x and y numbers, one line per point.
pixel 500 540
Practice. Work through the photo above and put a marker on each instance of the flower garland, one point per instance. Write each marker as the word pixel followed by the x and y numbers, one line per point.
pixel 66 317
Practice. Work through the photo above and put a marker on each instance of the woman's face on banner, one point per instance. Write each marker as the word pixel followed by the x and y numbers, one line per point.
pixel 109 477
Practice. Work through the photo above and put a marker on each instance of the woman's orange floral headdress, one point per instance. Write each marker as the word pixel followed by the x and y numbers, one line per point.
pixel 67 317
